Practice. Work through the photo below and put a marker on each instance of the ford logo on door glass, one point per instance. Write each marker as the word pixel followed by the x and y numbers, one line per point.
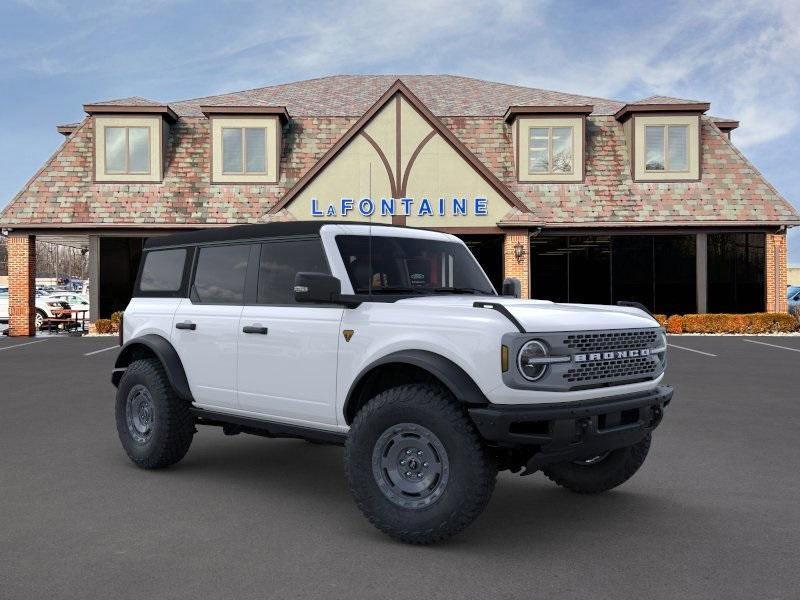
pixel 611 355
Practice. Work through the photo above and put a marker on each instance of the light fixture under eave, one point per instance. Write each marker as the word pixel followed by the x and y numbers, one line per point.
pixel 519 252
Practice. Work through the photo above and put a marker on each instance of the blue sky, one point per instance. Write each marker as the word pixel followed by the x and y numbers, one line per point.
pixel 56 55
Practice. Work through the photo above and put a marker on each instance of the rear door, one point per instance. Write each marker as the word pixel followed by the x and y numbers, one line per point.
pixel 205 325
pixel 288 351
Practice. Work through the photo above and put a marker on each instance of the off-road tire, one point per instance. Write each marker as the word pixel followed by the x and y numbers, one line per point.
pixel 172 423
pixel 471 470
pixel 615 469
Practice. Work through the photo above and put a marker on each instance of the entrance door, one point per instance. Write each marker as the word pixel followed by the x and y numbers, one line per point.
pixel 206 325
pixel 488 251
pixel 287 351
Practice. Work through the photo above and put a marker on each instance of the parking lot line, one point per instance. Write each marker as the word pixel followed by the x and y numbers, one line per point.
pixel 101 350
pixel 20 345
pixel 771 345
pixel 692 350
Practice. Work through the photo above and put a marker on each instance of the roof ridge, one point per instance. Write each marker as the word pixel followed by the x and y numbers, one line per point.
pixel 260 88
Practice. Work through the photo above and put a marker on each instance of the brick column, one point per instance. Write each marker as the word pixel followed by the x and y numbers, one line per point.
pixel 21 284
pixel 775 273
pixel 511 266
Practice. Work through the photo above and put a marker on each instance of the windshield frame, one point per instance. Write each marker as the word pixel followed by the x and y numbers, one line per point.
pixel 481 288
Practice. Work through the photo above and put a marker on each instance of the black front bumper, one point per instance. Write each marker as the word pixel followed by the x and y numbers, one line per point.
pixel 575 430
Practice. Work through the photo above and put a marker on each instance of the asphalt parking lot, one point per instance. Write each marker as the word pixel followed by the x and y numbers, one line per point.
pixel 714 512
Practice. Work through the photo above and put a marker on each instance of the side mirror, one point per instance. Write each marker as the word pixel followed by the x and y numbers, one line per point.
pixel 317 287
pixel 511 287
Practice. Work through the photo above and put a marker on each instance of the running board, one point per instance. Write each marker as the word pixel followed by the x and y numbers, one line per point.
pixel 269 429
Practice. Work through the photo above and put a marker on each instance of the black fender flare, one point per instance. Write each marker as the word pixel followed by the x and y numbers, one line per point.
pixel 453 377
pixel 165 352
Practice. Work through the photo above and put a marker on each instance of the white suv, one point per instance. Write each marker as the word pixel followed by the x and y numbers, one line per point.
pixel 392 342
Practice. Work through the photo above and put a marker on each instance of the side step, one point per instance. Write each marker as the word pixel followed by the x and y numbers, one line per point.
pixel 235 423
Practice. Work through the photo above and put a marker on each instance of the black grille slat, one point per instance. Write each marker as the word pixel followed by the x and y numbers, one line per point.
pixel 610 340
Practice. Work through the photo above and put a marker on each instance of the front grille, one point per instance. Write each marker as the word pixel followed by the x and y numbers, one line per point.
pixel 611 340
pixel 641 367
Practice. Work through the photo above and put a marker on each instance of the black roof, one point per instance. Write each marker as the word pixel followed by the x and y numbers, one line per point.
pixel 246 232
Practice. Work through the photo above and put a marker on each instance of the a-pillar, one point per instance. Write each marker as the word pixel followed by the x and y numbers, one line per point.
pixel 21 284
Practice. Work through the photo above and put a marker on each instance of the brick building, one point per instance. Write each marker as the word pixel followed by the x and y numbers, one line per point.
pixel 583 199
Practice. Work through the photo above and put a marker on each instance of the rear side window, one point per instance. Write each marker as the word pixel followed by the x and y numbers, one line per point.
pixel 220 275
pixel 281 261
pixel 163 270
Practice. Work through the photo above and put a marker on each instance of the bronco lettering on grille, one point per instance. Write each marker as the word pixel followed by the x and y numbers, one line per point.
pixel 594 356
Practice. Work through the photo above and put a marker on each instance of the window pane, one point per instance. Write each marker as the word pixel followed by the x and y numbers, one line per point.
pixel 408 263
pixel 280 262
pixel 678 140
pixel 654 148
pixel 589 269
pixel 115 149
pixel 562 149
pixel 256 151
pixel 632 269
pixel 675 274
pixel 736 272
pixel 231 150
pixel 537 161
pixel 538 138
pixel 549 268
pixel 538 150
pixel 220 274
pixel 163 270
pixel 138 149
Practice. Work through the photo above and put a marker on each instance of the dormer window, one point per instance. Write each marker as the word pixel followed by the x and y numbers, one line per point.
pixel 127 150
pixel 244 150
pixel 550 150
pixel 548 142
pixel 666 148
pixel 245 143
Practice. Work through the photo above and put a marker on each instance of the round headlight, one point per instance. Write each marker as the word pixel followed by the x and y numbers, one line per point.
pixel 529 358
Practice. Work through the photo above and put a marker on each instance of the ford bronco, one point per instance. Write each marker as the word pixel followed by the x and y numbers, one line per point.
pixel 392 342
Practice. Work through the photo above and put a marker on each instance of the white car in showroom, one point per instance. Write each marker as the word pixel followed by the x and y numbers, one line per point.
pixel 47 307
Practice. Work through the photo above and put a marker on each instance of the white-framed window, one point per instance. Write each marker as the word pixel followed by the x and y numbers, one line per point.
pixel 127 150
pixel 550 150
pixel 244 150
pixel 666 148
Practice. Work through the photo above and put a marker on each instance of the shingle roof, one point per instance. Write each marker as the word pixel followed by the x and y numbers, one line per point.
pixel 352 95
pixel 731 190
pixel 665 100
pixel 130 101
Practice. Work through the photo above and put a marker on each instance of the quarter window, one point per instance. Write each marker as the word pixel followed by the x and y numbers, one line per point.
pixel 127 150
pixel 220 275
pixel 281 262
pixel 550 150
pixel 244 150
pixel 666 147
pixel 163 270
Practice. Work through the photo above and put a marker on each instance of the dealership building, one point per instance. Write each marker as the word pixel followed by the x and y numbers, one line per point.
pixel 583 199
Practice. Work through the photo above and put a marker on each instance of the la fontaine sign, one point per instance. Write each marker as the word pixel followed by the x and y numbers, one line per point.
pixel 408 207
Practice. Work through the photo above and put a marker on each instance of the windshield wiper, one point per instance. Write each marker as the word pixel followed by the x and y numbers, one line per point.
pixel 462 290
pixel 390 290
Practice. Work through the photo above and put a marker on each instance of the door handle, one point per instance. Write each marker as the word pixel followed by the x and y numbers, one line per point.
pixel 255 329
pixel 190 326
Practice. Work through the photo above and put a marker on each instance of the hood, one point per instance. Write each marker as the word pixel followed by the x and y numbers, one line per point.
pixel 542 316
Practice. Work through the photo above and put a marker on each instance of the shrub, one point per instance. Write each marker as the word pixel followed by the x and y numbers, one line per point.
pixel 103 326
pixel 116 319
pixel 674 324
pixel 662 319
pixel 747 323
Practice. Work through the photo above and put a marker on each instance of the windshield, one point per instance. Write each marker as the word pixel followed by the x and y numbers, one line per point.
pixel 399 265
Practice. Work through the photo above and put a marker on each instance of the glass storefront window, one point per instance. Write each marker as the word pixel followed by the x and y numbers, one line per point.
pixel 656 270
pixel 736 272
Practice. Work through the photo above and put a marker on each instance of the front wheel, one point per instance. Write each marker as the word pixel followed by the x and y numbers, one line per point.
pixel 153 424
pixel 416 466
pixel 600 473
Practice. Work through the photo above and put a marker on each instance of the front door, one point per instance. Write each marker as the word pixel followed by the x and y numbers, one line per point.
pixel 288 351
pixel 205 326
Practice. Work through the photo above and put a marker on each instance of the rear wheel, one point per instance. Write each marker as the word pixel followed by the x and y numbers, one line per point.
pixel 153 424
pixel 416 466
pixel 600 473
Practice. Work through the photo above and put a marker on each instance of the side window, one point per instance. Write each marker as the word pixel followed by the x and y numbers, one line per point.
pixel 281 261
pixel 163 270
pixel 220 274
